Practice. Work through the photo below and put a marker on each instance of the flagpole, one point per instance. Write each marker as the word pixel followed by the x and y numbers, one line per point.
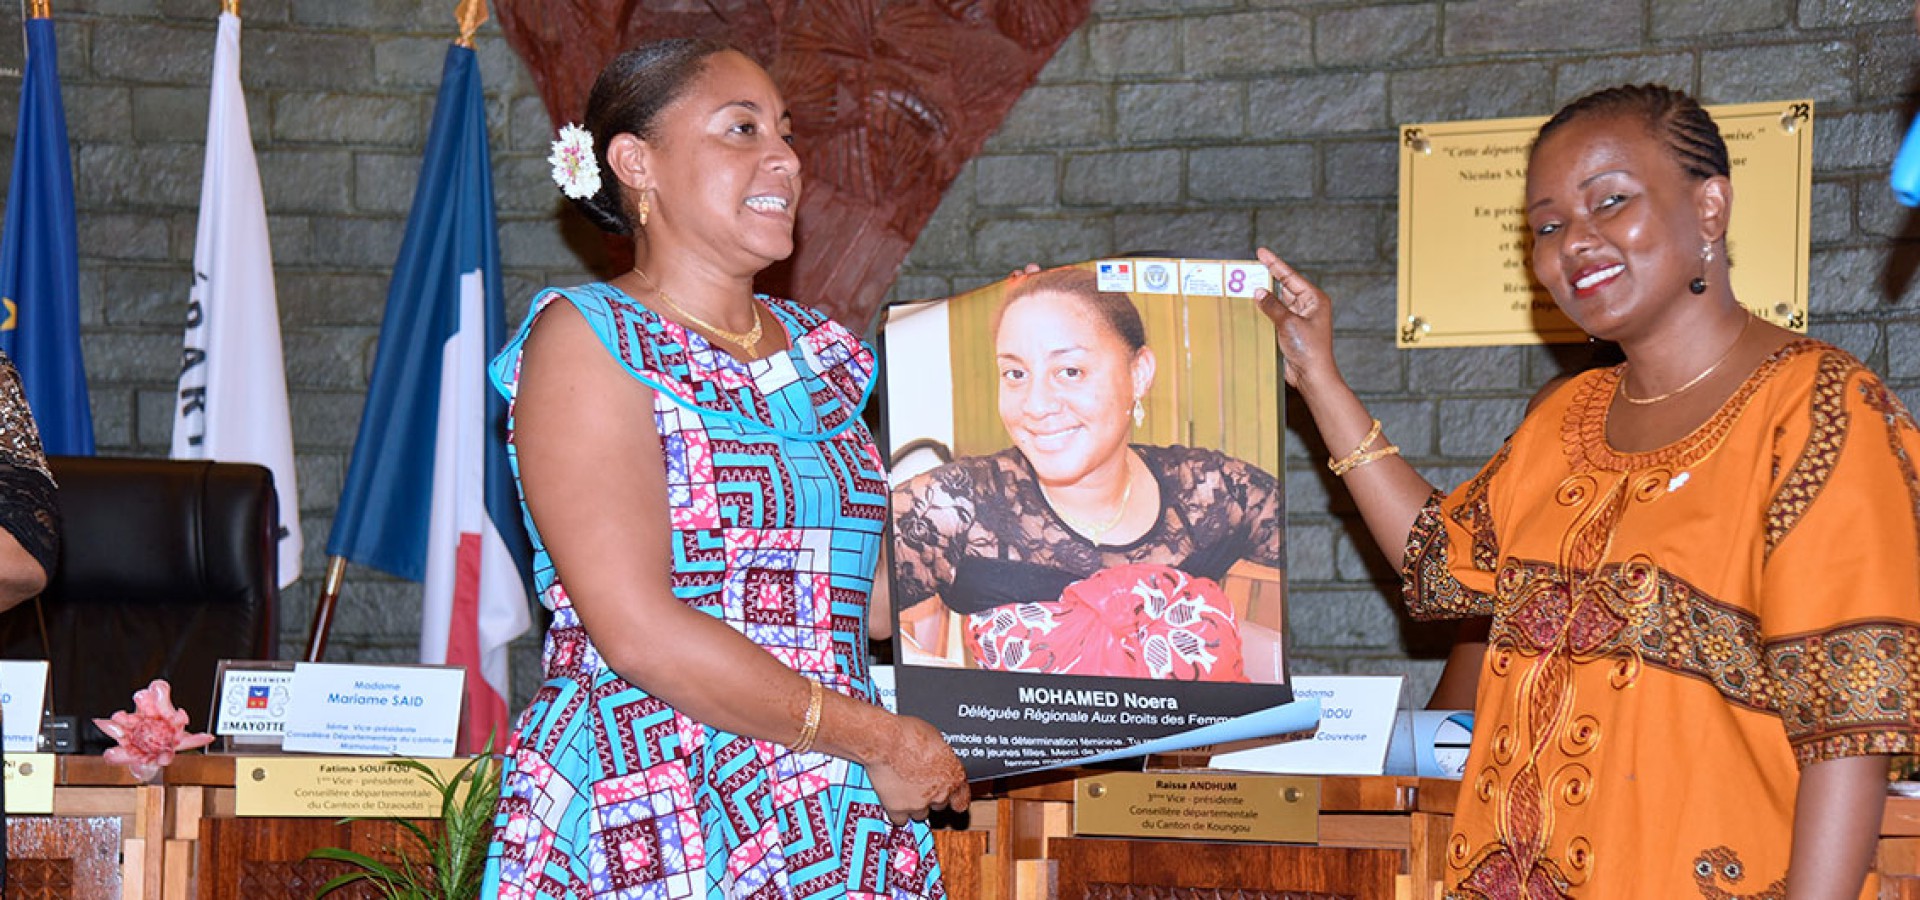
pixel 323 609
pixel 231 7
pixel 40 9
pixel 471 14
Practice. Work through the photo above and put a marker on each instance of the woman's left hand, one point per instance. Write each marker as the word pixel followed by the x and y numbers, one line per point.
pixel 915 772
pixel 1303 322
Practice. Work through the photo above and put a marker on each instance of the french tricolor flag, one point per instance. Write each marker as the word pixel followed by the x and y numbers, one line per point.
pixel 429 496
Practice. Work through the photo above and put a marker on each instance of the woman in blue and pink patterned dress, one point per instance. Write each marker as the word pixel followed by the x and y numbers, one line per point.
pixel 706 510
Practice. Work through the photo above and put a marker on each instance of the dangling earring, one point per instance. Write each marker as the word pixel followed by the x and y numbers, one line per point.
pixel 1139 413
pixel 1699 285
pixel 644 209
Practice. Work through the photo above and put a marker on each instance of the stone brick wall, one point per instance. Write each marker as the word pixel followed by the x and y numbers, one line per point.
pixel 1203 126
pixel 1209 127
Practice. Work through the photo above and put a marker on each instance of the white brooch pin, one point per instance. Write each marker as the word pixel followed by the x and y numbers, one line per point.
pixel 574 168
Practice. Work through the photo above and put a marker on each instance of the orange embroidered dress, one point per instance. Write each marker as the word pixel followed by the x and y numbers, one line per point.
pixel 1676 633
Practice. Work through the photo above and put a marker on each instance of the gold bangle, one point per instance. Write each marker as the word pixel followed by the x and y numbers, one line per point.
pixel 1355 462
pixel 810 726
pixel 1361 455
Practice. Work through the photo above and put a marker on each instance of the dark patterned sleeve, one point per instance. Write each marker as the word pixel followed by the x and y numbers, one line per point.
pixel 932 513
pixel 1453 549
pixel 1840 588
pixel 1263 506
pixel 1430 579
pixel 27 508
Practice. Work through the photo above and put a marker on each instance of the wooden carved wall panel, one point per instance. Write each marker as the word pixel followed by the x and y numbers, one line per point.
pixel 39 879
pixel 1106 869
pixel 1103 891
pixel 890 99
pixel 266 859
pixel 282 880
pixel 68 858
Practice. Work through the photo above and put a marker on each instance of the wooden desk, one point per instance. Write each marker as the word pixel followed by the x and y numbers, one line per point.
pixel 1899 856
pixel 213 854
pixel 1379 837
pixel 101 817
pixel 1374 832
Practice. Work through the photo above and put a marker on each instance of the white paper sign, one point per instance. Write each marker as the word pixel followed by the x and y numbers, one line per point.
pixel 374 710
pixel 1246 279
pixel 883 687
pixel 1356 720
pixel 1157 276
pixel 23 696
pixel 1114 275
pixel 254 702
pixel 1200 279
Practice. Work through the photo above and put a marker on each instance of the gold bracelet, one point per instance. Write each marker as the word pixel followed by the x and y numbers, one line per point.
pixel 810 727
pixel 1341 466
pixel 1355 462
pixel 1361 455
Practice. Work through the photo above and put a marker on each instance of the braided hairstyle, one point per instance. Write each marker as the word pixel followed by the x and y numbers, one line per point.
pixel 1671 116
pixel 628 98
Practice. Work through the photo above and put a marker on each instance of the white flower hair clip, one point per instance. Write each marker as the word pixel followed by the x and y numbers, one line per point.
pixel 574 168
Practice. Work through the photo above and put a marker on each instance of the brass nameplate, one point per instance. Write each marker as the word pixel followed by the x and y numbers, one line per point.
pixel 30 778
pixel 1466 274
pixel 335 786
pixel 1214 807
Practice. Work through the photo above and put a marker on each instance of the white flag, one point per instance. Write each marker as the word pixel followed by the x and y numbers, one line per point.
pixel 232 405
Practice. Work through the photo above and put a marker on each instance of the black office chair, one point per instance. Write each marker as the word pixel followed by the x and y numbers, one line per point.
pixel 166 567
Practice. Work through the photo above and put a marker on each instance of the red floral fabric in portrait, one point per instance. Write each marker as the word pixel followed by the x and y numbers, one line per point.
pixel 1143 620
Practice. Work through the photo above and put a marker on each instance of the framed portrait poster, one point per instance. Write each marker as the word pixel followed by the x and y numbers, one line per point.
pixel 1087 545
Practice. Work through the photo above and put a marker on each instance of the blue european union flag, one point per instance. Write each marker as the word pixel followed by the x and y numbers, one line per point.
pixel 39 259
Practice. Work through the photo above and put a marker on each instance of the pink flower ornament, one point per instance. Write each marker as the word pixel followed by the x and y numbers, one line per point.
pixel 150 735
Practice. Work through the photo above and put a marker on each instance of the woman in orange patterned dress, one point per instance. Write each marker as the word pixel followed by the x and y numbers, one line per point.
pixel 1703 565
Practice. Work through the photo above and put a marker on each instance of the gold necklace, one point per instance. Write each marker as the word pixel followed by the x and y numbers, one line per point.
pixel 745 340
pixel 1649 401
pixel 1093 530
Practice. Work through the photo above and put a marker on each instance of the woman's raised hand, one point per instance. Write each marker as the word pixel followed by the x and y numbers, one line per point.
pixel 918 773
pixel 1303 323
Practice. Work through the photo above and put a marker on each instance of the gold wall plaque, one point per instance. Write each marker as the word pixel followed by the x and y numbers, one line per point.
pixel 1465 275
pixel 1207 806
pixel 334 786
pixel 30 778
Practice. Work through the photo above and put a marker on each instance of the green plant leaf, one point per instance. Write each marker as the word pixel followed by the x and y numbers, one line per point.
pixel 450 867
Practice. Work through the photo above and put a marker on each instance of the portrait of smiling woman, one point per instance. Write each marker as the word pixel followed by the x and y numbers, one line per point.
pixel 1079 549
